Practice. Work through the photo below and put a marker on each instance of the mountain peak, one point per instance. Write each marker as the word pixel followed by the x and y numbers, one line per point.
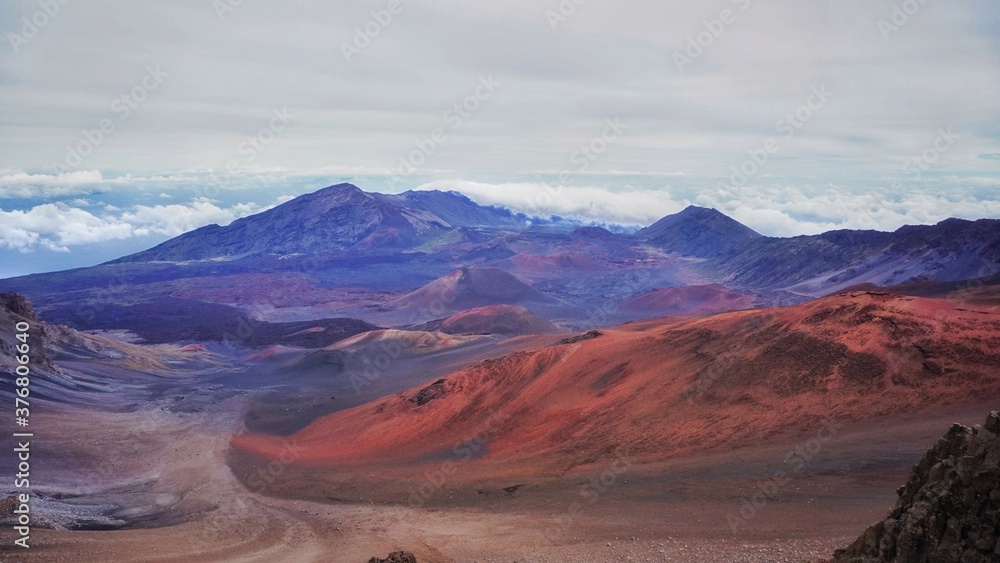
pixel 338 192
pixel 343 187
pixel 698 211
pixel 699 231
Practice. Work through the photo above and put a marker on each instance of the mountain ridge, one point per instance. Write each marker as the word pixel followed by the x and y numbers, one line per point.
pixel 343 217
pixel 337 217
pixel 344 252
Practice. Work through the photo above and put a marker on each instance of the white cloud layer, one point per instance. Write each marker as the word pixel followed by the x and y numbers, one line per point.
pixel 791 211
pixel 628 207
pixel 20 184
pixel 58 226
pixel 770 210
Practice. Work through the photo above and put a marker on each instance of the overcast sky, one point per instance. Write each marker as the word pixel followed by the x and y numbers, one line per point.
pixel 793 117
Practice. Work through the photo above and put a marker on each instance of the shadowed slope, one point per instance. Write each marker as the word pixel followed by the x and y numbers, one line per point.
pixel 692 300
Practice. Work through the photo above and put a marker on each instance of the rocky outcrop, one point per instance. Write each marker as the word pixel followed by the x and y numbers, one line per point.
pixel 589 335
pixel 17 304
pixel 396 557
pixel 949 511
pixel 14 309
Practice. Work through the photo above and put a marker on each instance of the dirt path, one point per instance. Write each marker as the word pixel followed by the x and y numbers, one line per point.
pixel 177 462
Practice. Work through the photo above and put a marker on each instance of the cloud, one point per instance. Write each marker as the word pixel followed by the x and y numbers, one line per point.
pixel 172 220
pixel 625 207
pixel 773 210
pixel 557 85
pixel 19 184
pixel 58 226
pixel 792 210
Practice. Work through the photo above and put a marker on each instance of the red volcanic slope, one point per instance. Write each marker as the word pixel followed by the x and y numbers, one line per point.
pixel 657 389
pixel 497 319
pixel 688 301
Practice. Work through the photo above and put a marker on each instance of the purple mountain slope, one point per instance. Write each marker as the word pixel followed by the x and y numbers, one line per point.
pixel 701 232
pixel 339 217
pixel 342 252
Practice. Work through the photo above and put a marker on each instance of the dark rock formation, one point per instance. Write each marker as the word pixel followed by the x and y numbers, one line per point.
pixel 396 557
pixel 949 511
pixel 16 308
pixel 17 304
pixel 589 335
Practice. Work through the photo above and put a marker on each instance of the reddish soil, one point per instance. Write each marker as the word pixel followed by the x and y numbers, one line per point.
pixel 707 412
pixel 498 319
pixel 656 390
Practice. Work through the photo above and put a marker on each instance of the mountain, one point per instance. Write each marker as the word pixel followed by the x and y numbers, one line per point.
pixel 815 265
pixel 663 389
pixel 953 249
pixel 455 209
pixel 335 218
pixel 342 252
pixel 700 232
